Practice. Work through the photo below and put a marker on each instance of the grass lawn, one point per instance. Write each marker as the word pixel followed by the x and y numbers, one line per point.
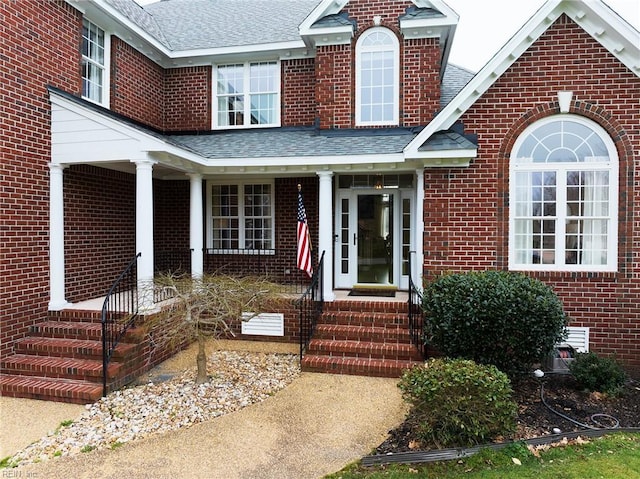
pixel 616 456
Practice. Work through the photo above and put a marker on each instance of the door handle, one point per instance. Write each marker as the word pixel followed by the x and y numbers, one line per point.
pixel 354 239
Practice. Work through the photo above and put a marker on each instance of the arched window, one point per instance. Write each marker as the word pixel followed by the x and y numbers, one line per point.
pixel 563 197
pixel 377 78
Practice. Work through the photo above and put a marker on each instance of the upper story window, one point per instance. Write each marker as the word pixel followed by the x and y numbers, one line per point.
pixel 241 216
pixel 564 197
pixel 377 78
pixel 95 60
pixel 247 95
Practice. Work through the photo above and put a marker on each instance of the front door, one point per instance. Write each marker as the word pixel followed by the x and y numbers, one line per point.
pixel 373 237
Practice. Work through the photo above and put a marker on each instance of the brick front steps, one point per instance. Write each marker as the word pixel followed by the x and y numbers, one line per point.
pixel 61 360
pixel 367 338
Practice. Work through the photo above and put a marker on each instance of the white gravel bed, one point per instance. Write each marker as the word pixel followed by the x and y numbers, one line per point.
pixel 237 379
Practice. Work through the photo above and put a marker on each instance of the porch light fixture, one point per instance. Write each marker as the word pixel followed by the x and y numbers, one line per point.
pixel 564 100
pixel 378 183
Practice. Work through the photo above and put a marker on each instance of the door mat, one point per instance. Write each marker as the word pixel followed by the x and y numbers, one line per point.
pixel 376 293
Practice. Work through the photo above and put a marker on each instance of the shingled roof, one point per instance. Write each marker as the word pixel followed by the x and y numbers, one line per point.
pixel 200 24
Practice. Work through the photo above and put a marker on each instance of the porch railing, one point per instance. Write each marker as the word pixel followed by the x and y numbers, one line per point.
pixel 416 314
pixel 310 306
pixel 119 311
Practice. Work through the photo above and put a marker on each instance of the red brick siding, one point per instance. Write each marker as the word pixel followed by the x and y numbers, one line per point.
pixel 419 70
pixel 420 82
pixel 188 99
pixel 460 237
pixel 298 92
pixel 136 85
pixel 334 86
pixel 99 229
pixel 25 70
pixel 171 200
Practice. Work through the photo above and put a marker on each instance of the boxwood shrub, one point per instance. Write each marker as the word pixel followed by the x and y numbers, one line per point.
pixel 493 317
pixel 597 373
pixel 458 402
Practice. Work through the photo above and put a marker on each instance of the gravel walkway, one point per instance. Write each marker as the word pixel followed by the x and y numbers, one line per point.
pixel 315 425
pixel 240 379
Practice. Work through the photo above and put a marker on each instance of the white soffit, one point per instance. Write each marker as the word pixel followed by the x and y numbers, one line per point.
pixel 596 18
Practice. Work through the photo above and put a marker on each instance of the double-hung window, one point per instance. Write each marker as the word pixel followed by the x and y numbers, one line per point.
pixel 247 95
pixel 241 216
pixel 95 58
pixel 377 78
pixel 563 197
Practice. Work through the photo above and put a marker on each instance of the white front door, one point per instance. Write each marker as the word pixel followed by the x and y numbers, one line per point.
pixel 373 237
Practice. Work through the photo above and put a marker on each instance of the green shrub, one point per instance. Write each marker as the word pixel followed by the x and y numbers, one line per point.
pixel 459 402
pixel 597 373
pixel 506 319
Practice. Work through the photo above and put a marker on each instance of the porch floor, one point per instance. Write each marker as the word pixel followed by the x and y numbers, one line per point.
pixel 95 304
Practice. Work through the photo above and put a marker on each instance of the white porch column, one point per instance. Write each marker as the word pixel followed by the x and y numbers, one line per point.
pixel 144 231
pixel 57 299
pixel 325 233
pixel 418 239
pixel 195 226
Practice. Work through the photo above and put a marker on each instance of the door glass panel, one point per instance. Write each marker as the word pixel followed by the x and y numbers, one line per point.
pixel 375 239
pixel 344 236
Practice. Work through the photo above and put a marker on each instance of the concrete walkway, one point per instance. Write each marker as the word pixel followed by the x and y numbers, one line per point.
pixel 315 426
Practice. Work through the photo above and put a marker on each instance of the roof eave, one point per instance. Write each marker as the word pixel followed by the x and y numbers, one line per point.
pixel 627 50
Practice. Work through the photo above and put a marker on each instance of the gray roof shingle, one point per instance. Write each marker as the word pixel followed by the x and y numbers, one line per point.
pixel 455 78
pixel 200 24
pixel 295 142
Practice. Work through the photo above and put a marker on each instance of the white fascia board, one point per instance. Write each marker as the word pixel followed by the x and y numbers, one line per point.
pixel 207 56
pixel 602 23
pixel 495 67
pixel 279 161
pixel 116 23
pixel 462 153
pixel 610 30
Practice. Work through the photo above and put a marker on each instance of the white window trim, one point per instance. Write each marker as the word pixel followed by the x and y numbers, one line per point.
pixel 105 101
pixel 246 81
pixel 611 166
pixel 241 230
pixel 396 74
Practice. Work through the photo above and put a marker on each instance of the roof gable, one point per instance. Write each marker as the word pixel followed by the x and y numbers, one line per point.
pixel 596 18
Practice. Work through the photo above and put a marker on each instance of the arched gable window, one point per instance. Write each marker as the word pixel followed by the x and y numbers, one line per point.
pixel 377 78
pixel 563 197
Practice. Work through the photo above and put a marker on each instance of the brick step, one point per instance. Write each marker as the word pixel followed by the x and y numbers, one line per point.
pixel 68 330
pixel 52 367
pixel 365 318
pixel 363 349
pixel 366 306
pixel 75 315
pixel 339 332
pixel 80 330
pixel 70 348
pixel 47 389
pixel 356 366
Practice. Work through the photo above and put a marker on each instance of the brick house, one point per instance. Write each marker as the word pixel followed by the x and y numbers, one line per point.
pixel 181 131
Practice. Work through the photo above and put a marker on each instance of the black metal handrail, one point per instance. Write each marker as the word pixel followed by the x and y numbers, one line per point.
pixel 119 311
pixel 310 306
pixel 416 313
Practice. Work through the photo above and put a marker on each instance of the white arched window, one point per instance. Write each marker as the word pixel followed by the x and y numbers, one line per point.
pixel 377 78
pixel 563 197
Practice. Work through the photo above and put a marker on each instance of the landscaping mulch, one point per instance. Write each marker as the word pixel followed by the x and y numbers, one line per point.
pixel 561 393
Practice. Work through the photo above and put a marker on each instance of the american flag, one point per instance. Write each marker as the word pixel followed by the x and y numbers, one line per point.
pixel 304 242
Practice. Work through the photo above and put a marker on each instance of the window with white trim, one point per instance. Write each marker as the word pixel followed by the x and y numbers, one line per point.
pixel 377 78
pixel 247 95
pixel 95 59
pixel 563 197
pixel 241 216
